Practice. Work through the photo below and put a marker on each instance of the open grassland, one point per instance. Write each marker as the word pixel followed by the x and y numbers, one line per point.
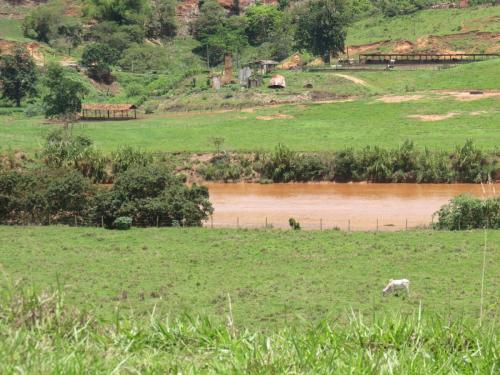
pixel 274 278
pixel 424 23
pixel 39 334
pixel 316 127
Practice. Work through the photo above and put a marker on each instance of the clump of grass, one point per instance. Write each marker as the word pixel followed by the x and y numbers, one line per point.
pixel 40 335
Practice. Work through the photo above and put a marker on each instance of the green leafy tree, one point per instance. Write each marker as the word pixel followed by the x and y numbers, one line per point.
pixel 17 75
pixel 161 21
pixel 149 193
pixel 41 23
pixel 64 96
pixel 212 16
pixel 120 11
pixel 98 58
pixel 262 21
pixel 321 27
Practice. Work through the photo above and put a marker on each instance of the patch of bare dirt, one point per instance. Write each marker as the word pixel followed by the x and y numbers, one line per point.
pixel 467 96
pixel 478 113
pixel 280 116
pixel 356 80
pixel 403 46
pixel 399 98
pixel 427 118
pixel 363 48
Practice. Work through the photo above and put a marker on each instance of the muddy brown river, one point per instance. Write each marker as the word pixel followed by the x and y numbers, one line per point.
pixel 357 206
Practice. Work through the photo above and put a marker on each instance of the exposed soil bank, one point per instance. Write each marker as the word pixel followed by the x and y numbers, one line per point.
pixel 334 205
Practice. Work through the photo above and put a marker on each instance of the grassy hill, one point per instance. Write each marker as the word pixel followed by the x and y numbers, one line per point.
pixel 455 28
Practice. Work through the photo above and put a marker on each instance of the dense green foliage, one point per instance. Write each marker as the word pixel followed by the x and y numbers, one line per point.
pixel 17 75
pixel 45 196
pixel 152 196
pixel 51 337
pixel 48 24
pixel 321 27
pixel 64 95
pixel 403 164
pixel 98 58
pixel 466 212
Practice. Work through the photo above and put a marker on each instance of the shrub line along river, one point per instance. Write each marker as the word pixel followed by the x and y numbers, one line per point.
pixel 354 206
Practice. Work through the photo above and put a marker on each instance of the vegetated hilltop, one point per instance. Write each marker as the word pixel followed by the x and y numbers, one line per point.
pixel 160 53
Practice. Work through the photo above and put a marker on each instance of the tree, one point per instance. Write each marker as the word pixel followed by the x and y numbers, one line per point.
pixel 120 11
pixel 262 21
pixel 64 97
pixel 41 23
pixel 228 37
pixel 321 27
pixel 162 21
pixel 97 58
pixel 212 15
pixel 149 193
pixel 17 75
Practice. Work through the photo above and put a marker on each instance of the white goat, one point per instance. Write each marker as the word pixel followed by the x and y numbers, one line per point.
pixel 395 285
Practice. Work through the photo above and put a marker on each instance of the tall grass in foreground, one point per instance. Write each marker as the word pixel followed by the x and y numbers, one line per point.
pixel 39 334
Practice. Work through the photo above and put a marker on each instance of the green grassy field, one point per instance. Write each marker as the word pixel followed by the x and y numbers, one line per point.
pixel 305 128
pixel 423 23
pixel 274 278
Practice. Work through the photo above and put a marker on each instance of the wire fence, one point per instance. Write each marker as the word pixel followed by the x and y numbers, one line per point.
pixel 306 223
pixel 348 224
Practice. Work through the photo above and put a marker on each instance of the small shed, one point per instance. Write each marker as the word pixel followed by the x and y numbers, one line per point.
pixel 263 66
pixel 98 111
pixel 277 82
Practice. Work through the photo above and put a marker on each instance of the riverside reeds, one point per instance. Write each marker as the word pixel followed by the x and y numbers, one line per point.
pixel 40 334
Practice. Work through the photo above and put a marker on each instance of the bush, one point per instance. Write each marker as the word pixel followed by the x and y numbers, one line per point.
pixel 153 196
pixel 123 223
pixel 128 157
pixel 467 212
pixel 43 196
pixel 33 110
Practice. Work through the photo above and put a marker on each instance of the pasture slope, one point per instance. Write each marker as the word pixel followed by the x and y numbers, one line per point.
pixel 274 277
pixel 387 117
pixel 235 301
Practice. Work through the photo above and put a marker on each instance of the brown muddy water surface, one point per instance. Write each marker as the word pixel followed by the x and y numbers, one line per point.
pixel 326 205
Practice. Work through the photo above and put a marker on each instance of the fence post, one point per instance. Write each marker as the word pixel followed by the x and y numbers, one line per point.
pixel 76 221
pixel 102 221
pixel 349 225
pixel 157 221
pixel 211 221
pixel 377 224
pixel 406 224
pixel 238 223
pixel 321 224
pixel 266 223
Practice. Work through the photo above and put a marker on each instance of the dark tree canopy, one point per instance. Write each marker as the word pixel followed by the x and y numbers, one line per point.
pixel 17 75
pixel 147 194
pixel 321 27
pixel 98 58
pixel 64 96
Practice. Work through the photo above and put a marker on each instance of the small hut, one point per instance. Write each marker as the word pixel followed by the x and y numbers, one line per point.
pixel 277 82
pixel 97 111
pixel 263 67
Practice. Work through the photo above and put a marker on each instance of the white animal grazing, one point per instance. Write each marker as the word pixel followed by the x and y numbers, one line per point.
pixel 395 285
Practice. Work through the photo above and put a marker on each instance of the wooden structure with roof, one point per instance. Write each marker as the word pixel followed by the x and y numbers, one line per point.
pixel 263 67
pixel 423 58
pixel 98 111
